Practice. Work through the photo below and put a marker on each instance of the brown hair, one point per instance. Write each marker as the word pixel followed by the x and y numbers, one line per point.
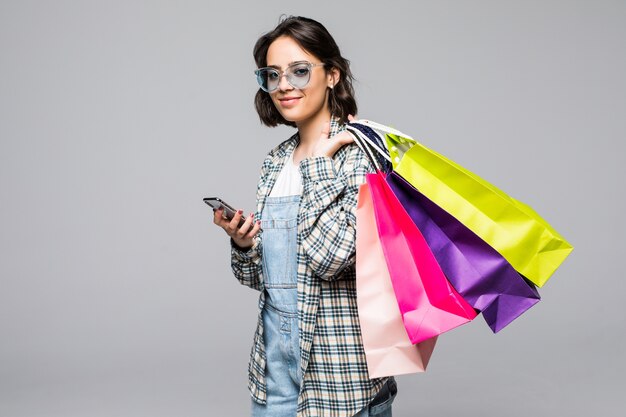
pixel 313 37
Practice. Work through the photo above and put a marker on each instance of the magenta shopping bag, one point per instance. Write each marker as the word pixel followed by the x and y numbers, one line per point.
pixel 428 303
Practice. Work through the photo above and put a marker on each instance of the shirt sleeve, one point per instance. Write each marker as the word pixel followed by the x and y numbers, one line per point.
pixel 328 226
pixel 246 264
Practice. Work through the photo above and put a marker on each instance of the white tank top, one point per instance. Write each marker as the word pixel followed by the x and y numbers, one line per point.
pixel 289 181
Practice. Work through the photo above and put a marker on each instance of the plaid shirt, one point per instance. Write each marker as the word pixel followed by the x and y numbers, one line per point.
pixel 335 380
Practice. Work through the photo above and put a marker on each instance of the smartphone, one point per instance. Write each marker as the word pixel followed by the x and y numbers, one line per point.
pixel 229 211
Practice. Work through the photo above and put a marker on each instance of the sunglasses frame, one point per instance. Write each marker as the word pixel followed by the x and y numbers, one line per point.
pixel 308 64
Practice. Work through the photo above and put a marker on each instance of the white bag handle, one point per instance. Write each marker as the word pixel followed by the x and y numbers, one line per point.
pixel 382 128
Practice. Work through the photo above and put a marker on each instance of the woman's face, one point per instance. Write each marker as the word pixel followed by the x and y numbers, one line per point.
pixel 298 104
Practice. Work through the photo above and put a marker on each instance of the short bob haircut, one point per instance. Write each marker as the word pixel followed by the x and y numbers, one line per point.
pixel 313 37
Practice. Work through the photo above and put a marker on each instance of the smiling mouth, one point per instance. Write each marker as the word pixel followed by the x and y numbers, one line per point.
pixel 289 100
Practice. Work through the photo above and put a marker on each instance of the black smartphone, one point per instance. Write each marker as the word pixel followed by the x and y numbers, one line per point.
pixel 229 211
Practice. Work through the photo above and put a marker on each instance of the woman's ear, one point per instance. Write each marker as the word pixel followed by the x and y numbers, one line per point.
pixel 333 77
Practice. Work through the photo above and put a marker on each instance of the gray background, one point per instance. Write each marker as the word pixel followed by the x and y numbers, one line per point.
pixel 117 117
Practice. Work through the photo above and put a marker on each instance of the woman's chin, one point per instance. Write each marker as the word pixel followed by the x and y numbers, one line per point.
pixel 291 116
pixel 297 116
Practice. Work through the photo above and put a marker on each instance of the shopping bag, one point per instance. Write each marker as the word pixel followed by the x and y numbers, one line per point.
pixel 388 350
pixel 428 303
pixel 478 272
pixel 511 227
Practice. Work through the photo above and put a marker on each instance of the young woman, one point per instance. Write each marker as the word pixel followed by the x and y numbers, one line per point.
pixel 298 249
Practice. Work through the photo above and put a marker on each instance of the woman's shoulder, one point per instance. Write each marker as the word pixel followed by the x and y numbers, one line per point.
pixel 280 150
pixel 285 145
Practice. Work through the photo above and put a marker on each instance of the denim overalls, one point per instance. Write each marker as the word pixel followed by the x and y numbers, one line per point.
pixel 279 222
pixel 283 375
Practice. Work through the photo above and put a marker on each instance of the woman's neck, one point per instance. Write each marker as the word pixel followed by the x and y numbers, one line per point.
pixel 311 129
pixel 310 132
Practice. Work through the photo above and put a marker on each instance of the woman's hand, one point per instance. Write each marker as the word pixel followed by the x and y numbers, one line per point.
pixel 242 236
pixel 328 146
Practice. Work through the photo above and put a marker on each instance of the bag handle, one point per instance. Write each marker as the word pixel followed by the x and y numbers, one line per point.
pixel 362 142
pixel 376 142
pixel 382 128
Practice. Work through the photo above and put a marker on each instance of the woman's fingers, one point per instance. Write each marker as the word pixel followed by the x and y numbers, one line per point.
pixel 229 225
pixel 340 140
pixel 233 224
pixel 255 230
pixel 345 137
pixel 330 146
pixel 241 232
pixel 218 217
pixel 244 235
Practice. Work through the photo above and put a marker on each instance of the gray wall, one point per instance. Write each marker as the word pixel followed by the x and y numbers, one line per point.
pixel 117 117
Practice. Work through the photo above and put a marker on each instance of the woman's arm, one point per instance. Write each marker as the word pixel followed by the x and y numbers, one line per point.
pixel 328 226
pixel 246 263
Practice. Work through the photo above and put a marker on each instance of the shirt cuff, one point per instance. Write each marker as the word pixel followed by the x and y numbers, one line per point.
pixel 244 254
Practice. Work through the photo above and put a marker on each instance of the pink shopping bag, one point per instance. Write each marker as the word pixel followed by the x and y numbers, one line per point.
pixel 388 350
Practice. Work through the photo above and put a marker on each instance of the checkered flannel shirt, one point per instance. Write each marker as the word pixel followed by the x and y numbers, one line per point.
pixel 335 379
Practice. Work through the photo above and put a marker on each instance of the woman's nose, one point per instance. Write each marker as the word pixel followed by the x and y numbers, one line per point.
pixel 283 84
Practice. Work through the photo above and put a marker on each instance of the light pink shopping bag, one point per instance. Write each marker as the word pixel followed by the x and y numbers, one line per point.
pixel 388 350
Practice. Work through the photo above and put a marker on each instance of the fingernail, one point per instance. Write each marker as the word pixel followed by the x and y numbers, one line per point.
pixel 240 211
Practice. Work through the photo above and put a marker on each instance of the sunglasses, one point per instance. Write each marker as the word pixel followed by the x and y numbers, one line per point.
pixel 298 75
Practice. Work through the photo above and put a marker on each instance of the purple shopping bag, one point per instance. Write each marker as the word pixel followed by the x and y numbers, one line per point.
pixel 478 272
